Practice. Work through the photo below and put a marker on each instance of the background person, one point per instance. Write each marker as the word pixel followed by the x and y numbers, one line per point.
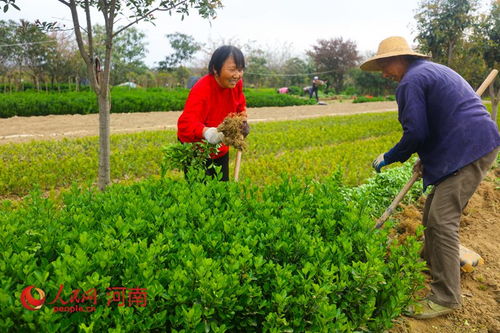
pixel 446 123
pixel 211 99
pixel 316 82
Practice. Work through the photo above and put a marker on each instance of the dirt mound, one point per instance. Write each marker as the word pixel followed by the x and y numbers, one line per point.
pixel 480 229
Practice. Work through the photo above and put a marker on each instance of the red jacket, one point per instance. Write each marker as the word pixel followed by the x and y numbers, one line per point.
pixel 207 105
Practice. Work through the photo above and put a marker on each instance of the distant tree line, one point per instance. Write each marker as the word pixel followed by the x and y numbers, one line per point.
pixel 452 31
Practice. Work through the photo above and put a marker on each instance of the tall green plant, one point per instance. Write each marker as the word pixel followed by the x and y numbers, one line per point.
pixel 441 24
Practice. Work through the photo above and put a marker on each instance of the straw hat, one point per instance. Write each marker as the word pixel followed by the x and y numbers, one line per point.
pixel 390 47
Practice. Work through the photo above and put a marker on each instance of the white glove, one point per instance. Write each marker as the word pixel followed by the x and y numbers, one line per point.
pixel 213 136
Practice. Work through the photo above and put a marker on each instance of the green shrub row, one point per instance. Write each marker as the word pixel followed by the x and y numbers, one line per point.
pixel 306 148
pixel 122 100
pixel 61 87
pixel 364 99
pixel 214 257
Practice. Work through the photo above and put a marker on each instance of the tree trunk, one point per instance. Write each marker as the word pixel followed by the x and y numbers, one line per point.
pixel 104 140
pixel 494 101
pixel 450 54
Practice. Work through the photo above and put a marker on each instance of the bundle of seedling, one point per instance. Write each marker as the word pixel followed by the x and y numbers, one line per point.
pixel 193 156
pixel 233 128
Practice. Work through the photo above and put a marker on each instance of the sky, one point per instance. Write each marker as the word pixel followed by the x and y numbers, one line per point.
pixel 271 24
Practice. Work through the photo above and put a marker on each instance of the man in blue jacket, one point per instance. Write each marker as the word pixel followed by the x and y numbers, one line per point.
pixel 447 125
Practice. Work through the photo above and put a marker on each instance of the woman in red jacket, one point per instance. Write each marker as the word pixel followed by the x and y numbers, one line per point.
pixel 211 99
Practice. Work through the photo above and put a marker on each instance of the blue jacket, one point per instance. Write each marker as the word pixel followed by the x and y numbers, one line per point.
pixel 443 120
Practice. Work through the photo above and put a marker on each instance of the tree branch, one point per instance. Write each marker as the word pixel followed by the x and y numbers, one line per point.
pixel 146 15
pixel 90 38
pixel 64 2
pixel 109 16
pixel 78 33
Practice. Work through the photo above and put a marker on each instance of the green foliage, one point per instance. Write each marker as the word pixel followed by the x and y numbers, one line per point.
pixel 364 99
pixel 371 83
pixel 186 156
pixel 294 90
pixel 122 100
pixel 335 56
pixel 378 192
pixel 184 46
pixel 293 67
pixel 28 86
pixel 321 144
pixel 441 25
pixel 129 50
pixel 268 97
pixel 214 256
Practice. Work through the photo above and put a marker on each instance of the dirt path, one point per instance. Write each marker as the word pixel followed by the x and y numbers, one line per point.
pixel 20 129
pixel 479 230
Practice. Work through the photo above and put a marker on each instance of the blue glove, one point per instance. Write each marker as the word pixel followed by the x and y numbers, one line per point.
pixel 379 162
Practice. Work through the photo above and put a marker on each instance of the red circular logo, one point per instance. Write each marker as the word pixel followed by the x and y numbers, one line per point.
pixel 31 303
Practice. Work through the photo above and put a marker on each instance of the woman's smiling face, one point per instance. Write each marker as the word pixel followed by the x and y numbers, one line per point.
pixel 229 74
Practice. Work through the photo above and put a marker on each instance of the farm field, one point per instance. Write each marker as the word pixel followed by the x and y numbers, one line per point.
pixel 276 147
pixel 63 234
pixel 22 129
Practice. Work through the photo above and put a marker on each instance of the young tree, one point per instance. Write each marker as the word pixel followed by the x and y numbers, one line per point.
pixel 184 47
pixel 64 63
pixel 441 25
pixel 488 37
pixel 371 83
pixel 31 50
pixel 99 76
pixel 8 41
pixel 335 56
pixel 293 68
pixel 257 70
pixel 129 50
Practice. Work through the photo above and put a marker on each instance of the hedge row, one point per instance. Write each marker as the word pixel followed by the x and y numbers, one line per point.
pixel 321 144
pixel 214 257
pixel 122 100
pixel 61 87
pixel 365 99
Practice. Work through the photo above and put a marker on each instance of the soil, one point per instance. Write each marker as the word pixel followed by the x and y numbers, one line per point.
pixel 479 229
pixel 480 225
pixel 22 129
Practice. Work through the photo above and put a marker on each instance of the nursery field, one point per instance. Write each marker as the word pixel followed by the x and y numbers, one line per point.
pixel 289 248
pixel 321 144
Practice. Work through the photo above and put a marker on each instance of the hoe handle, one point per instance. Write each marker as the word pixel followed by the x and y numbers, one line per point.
pixel 397 200
pixel 487 82
pixel 237 166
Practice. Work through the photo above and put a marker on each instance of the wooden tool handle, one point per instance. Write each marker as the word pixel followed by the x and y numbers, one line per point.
pixel 237 166
pixel 487 82
pixel 397 199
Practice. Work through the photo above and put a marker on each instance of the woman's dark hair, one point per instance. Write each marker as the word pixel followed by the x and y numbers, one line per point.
pixel 221 54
